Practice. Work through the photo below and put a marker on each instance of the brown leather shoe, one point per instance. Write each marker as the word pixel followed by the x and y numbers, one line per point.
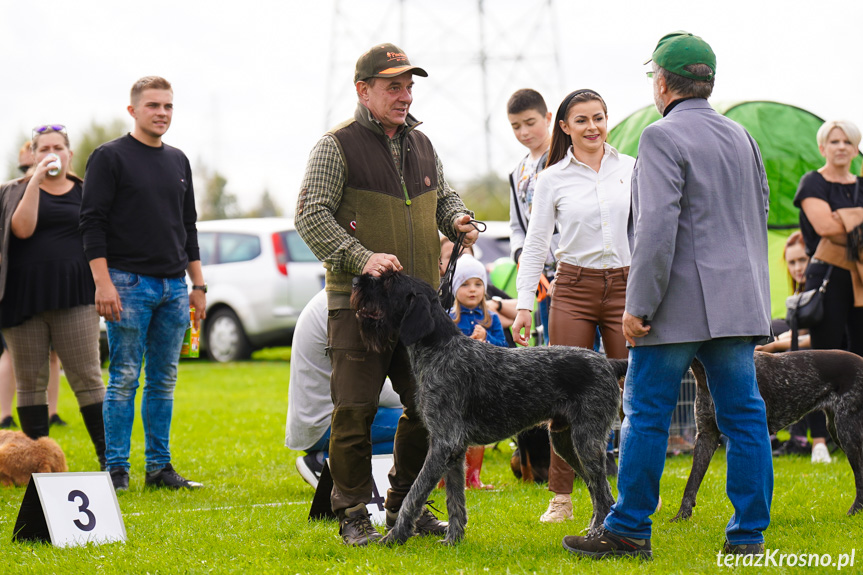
pixel 427 524
pixel 604 543
pixel 743 549
pixel 355 527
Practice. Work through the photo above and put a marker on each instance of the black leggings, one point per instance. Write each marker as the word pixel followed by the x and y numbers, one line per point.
pixel 842 326
pixel 815 421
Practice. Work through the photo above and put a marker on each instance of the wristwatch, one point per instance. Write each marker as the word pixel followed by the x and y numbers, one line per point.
pixel 499 301
pixel 203 288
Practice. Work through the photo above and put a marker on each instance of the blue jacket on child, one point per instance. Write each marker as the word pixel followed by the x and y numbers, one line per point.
pixel 472 317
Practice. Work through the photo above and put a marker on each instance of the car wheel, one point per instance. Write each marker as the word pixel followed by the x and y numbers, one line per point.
pixel 226 340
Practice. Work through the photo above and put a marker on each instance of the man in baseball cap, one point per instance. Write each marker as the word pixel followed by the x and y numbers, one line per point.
pixel 678 51
pixel 385 61
pixel 372 201
pixel 699 183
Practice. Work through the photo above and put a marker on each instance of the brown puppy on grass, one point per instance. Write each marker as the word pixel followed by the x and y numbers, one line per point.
pixel 20 456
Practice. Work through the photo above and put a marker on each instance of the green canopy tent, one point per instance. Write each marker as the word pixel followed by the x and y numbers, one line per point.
pixel 786 137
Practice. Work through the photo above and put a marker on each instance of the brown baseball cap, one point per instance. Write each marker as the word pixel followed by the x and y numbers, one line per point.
pixel 385 61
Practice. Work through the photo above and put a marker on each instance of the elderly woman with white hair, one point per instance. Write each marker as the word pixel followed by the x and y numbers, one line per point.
pixel 821 193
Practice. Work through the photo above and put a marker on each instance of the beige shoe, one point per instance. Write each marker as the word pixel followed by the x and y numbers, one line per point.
pixel 559 509
pixel 820 454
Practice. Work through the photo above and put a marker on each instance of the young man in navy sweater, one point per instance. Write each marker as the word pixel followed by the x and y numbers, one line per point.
pixel 138 226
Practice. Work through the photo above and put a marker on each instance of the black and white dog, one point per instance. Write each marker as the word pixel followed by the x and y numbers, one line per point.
pixel 470 392
pixel 792 384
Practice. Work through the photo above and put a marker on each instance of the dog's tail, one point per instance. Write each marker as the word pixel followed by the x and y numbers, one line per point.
pixel 619 367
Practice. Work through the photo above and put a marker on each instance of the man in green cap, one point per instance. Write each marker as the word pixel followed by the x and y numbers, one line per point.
pixel 698 288
pixel 372 201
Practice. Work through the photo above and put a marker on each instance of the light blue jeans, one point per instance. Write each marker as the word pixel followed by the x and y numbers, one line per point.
pixel 649 397
pixel 152 324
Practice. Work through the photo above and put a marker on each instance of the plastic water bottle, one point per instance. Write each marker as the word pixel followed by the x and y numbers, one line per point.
pixel 55 165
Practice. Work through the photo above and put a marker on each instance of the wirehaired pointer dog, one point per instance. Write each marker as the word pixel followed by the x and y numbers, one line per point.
pixel 469 392
pixel 792 384
pixel 20 456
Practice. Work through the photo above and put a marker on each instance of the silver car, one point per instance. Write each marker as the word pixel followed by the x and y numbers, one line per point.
pixel 260 275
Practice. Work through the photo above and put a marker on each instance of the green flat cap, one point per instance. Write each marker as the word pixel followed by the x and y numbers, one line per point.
pixel 679 49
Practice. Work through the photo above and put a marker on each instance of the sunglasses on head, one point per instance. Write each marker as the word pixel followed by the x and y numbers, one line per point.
pixel 47 128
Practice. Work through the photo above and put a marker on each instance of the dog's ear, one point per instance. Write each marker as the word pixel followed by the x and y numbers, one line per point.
pixel 417 322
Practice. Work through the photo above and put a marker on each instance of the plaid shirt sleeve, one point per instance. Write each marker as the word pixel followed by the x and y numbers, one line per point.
pixel 449 204
pixel 320 196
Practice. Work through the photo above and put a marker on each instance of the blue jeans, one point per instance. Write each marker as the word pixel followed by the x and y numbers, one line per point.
pixel 383 432
pixel 152 324
pixel 544 306
pixel 649 397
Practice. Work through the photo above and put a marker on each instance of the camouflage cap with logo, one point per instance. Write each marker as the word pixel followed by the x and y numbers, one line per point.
pixel 384 61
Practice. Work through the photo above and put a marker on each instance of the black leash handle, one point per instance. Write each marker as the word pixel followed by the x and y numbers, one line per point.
pixel 445 293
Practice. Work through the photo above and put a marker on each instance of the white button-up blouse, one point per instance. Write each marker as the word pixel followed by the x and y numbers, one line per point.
pixel 591 211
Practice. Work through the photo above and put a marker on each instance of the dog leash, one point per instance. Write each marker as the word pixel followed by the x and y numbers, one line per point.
pixel 445 291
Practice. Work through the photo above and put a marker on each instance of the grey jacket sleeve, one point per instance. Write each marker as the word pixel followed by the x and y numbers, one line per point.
pixel 765 187
pixel 657 186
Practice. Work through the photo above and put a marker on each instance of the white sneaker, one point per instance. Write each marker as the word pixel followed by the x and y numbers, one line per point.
pixel 820 454
pixel 309 468
pixel 559 509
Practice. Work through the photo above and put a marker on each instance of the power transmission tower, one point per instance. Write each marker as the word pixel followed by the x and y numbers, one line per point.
pixel 477 56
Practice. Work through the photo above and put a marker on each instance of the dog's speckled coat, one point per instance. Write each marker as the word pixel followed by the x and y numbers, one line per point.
pixel 792 385
pixel 470 392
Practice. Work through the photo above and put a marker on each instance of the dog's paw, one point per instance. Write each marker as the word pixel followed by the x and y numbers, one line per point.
pixel 451 539
pixel 393 538
pixel 856 508
pixel 683 514
pixel 448 542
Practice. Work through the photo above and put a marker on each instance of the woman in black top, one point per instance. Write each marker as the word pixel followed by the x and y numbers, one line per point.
pixel 46 288
pixel 819 195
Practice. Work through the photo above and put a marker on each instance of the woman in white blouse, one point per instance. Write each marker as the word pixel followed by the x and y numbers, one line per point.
pixel 585 191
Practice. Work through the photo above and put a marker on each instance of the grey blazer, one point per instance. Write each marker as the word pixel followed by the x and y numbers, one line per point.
pixel 699 248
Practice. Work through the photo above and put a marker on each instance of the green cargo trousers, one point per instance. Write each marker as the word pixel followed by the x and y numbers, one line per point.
pixel 356 382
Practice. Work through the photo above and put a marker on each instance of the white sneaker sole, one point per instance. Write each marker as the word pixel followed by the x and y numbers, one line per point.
pixel 307 474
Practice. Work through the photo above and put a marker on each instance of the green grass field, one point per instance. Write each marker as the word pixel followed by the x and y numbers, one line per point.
pixel 252 516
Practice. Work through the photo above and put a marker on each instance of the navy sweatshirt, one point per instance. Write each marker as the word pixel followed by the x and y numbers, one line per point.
pixel 138 208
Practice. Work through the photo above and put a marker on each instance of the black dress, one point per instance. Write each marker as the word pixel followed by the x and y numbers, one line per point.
pixel 842 326
pixel 48 270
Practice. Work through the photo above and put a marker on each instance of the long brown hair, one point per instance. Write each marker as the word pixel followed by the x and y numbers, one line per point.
pixel 560 140
pixel 795 238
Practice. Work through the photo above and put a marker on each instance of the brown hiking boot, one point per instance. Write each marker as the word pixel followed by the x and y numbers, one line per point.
pixel 355 527
pixel 603 543
pixel 427 524
pixel 743 549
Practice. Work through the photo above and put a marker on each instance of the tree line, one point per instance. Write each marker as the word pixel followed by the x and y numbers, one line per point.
pixel 214 200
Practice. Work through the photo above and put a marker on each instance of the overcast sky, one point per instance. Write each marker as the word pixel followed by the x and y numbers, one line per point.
pixel 256 83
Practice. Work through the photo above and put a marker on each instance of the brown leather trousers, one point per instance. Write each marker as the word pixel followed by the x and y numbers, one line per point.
pixel 582 299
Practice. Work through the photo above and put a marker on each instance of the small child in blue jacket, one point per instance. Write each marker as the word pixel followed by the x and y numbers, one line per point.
pixel 475 321
pixel 470 312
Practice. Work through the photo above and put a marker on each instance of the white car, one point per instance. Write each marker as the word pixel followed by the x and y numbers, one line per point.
pixel 260 274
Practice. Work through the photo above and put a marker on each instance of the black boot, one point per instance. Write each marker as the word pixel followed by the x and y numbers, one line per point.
pixel 92 415
pixel 34 420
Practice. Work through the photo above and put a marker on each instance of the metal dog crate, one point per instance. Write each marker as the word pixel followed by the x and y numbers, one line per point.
pixel 681 436
pixel 682 431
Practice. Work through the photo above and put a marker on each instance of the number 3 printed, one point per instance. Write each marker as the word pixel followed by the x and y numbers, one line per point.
pixel 85 501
